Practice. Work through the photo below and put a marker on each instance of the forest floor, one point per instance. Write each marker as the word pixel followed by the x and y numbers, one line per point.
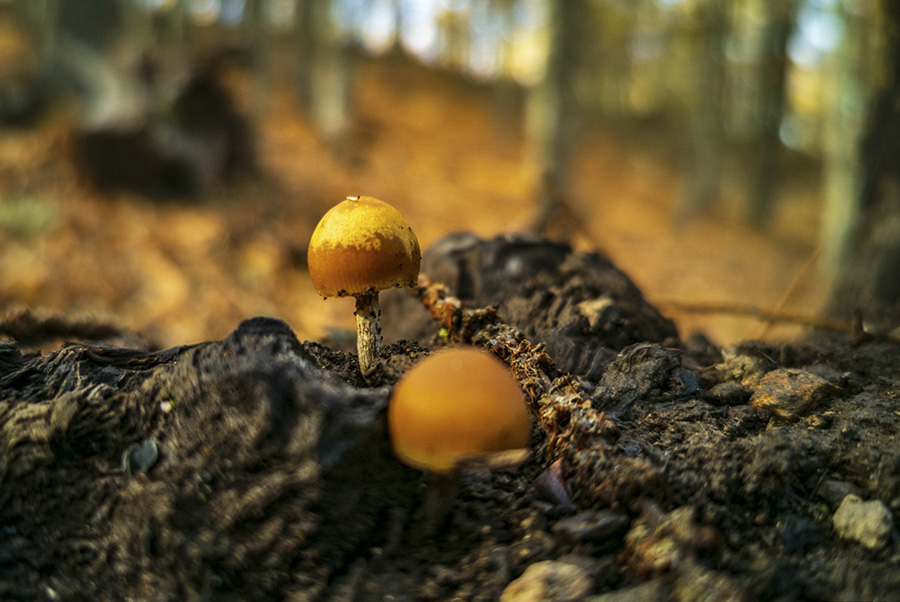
pixel 258 467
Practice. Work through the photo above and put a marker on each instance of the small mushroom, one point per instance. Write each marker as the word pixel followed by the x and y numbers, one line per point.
pixel 360 247
pixel 139 459
pixel 458 408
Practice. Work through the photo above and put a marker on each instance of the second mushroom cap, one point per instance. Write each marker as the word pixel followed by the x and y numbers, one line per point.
pixel 453 406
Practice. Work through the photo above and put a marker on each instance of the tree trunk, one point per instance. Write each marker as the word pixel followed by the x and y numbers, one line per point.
pixel 842 131
pixel 869 281
pixel 324 70
pixel 553 107
pixel 704 171
pixel 304 35
pixel 261 39
pixel 39 19
pixel 772 77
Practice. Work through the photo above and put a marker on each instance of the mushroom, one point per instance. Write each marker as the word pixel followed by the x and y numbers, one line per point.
pixel 360 247
pixel 456 409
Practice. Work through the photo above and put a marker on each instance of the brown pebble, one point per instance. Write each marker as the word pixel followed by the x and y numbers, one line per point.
pixel 790 393
pixel 549 581
pixel 593 526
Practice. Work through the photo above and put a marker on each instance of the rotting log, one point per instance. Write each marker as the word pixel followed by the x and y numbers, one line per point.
pixel 271 474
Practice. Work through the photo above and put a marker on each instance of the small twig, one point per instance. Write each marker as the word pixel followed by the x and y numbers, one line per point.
pixel 798 278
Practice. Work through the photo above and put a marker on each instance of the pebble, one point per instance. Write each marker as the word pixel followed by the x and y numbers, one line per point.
pixel 799 533
pixel 658 543
pixel 592 526
pixel 744 366
pixel 835 377
pixel 730 393
pixel 790 393
pixel 696 583
pixel 869 523
pixel 833 491
pixel 140 458
pixel 549 581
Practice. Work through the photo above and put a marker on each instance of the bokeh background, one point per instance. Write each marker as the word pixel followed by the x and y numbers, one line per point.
pixel 163 162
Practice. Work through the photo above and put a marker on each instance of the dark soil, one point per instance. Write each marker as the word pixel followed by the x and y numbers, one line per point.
pixel 258 467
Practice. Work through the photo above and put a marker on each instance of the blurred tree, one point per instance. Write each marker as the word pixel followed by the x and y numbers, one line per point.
pixel 324 69
pixel 261 41
pixel 615 26
pixel 506 91
pixel 305 37
pixel 869 280
pixel 454 32
pixel 773 67
pixel 848 88
pixel 96 23
pixel 39 19
pixel 708 26
pixel 553 110
pixel 172 29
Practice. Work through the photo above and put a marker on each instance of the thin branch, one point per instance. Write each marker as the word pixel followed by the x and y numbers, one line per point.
pixel 742 309
pixel 798 278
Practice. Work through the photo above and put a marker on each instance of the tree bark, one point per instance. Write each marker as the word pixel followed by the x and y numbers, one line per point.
pixel 553 107
pixel 842 132
pixel 324 70
pixel 773 78
pixel 704 171
pixel 869 280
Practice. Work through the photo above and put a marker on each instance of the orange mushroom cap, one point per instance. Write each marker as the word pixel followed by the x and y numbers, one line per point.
pixel 455 405
pixel 362 245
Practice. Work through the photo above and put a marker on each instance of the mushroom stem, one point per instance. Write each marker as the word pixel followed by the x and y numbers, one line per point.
pixel 368 330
